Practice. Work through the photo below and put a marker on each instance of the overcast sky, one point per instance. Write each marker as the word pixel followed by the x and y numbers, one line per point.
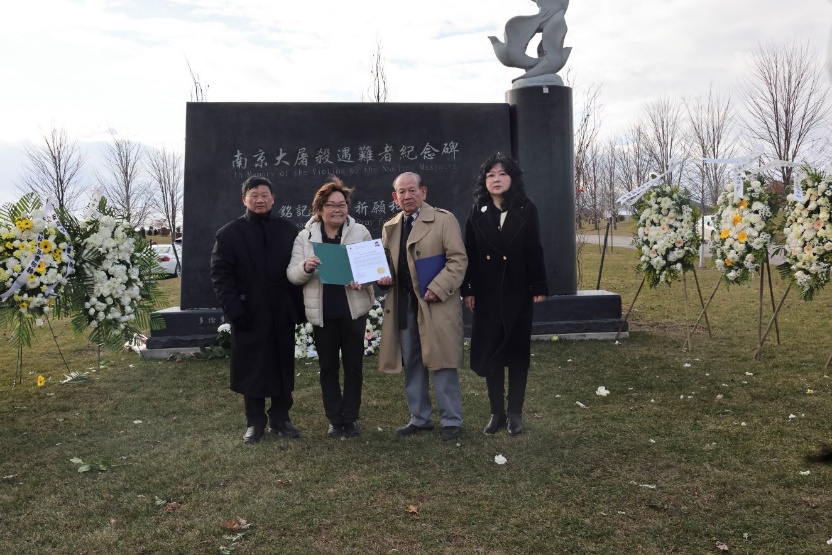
pixel 88 65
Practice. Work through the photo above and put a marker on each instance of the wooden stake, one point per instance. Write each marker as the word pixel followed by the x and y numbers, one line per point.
pixel 685 287
pixel 759 351
pixel 627 317
pixel 771 294
pixel 705 308
pixel 18 376
pixel 760 310
pixel 702 304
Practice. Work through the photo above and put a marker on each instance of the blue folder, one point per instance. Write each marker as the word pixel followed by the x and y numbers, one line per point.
pixel 427 269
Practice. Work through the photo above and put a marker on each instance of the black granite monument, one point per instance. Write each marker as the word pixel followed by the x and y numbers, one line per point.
pixel 297 145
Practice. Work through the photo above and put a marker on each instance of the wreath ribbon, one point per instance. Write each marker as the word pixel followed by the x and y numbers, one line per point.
pixel 631 197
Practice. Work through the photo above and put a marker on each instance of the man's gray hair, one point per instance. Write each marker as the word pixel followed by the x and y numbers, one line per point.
pixel 408 174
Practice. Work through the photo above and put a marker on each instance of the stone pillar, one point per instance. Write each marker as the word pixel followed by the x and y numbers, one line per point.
pixel 542 143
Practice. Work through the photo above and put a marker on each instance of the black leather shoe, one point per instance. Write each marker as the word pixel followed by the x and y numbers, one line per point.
pixel 410 429
pixel 285 429
pixel 335 430
pixel 450 432
pixel 515 424
pixel 254 434
pixel 497 421
pixel 351 429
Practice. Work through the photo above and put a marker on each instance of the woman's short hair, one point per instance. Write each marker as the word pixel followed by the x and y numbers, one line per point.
pixel 515 193
pixel 333 185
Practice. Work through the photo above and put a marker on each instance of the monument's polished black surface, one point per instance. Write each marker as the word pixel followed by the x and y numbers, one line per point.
pixel 297 145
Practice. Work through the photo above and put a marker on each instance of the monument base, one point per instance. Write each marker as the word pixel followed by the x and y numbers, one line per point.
pixel 186 329
pixel 584 315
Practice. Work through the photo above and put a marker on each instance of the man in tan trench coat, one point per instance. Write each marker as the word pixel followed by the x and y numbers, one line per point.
pixel 424 332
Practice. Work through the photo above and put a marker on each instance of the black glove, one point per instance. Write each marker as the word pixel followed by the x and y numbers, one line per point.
pixel 242 323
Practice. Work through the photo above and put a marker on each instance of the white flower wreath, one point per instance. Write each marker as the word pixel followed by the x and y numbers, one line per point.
pixel 35 260
pixel 742 231
pixel 808 231
pixel 665 239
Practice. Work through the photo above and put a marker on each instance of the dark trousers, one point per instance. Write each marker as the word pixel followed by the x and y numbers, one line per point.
pixel 517 377
pixel 344 336
pixel 256 410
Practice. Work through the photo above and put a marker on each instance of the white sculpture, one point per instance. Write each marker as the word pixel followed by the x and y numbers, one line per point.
pixel 550 22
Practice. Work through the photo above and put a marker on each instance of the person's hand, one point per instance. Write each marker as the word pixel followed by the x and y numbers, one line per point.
pixel 431 297
pixel 311 264
pixel 386 281
pixel 539 298
pixel 355 286
pixel 469 302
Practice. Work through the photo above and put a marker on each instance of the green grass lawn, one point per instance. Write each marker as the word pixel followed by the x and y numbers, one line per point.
pixel 691 452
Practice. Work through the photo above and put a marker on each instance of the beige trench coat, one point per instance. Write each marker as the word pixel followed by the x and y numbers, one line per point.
pixel 436 231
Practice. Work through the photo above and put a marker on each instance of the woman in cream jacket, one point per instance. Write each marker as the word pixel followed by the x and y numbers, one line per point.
pixel 338 313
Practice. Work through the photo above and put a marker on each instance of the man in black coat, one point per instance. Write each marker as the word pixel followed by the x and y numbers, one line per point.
pixel 248 270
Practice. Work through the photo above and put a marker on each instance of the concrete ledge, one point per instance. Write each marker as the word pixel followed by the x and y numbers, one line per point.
pixel 164 354
pixel 602 336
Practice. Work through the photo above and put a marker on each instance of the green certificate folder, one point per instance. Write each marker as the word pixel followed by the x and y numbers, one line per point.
pixel 335 263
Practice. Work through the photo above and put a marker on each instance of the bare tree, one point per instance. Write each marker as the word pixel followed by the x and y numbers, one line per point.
pixel 200 91
pixel 787 101
pixel 53 169
pixel 610 170
pixel 378 91
pixel 634 159
pixel 664 135
pixel 165 169
pixel 122 179
pixel 586 134
pixel 709 122
pixel 593 186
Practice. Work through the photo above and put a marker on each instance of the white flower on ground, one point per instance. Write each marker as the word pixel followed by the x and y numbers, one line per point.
pixel 499 459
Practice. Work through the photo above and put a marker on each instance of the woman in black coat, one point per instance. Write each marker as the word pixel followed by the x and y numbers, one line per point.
pixel 505 276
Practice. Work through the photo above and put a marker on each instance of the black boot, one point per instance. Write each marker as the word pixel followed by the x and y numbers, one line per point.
pixel 515 424
pixel 497 421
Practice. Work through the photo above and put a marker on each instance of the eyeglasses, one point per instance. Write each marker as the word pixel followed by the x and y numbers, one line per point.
pixel 332 206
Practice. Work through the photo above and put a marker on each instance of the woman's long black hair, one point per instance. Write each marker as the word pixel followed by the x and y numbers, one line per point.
pixel 515 194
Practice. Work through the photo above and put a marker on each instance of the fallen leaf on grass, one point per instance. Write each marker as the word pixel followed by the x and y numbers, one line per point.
pixel 499 459
pixel 805 472
pixel 172 506
pixel 413 509
pixel 284 483
pixel 722 546
pixel 237 524
pixel 10 477
pixel 113 522
pixel 581 405
pixel 602 391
